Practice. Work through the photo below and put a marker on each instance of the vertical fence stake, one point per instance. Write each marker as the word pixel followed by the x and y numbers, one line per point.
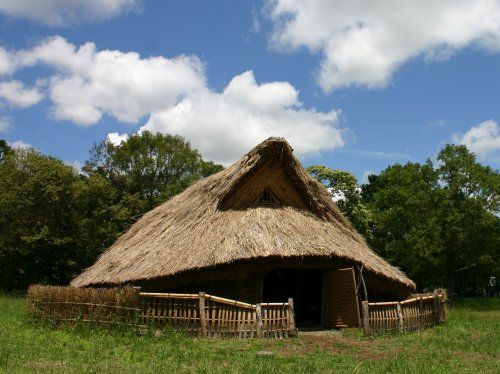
pixel 258 317
pixel 420 315
pixel 400 317
pixel 291 310
pixel 366 318
pixel 437 308
pixel 203 323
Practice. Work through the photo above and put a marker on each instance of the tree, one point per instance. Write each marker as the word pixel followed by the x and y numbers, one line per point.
pixel 4 149
pixel 344 188
pixel 37 218
pixel 152 167
pixel 437 222
pixel 403 228
pixel 54 222
pixel 469 216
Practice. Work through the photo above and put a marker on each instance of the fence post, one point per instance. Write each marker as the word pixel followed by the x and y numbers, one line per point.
pixel 258 317
pixel 203 323
pixel 400 317
pixel 420 314
pixel 437 309
pixel 366 318
pixel 292 314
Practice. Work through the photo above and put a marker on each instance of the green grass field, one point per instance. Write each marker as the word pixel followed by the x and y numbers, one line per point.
pixel 468 342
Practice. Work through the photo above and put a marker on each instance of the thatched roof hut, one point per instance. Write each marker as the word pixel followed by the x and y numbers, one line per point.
pixel 262 213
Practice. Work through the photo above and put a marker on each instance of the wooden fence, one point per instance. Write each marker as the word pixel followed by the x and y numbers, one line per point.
pixel 194 314
pixel 211 316
pixel 413 314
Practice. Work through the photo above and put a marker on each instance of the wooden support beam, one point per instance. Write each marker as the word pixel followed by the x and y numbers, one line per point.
pixel 258 317
pixel 400 318
pixel 292 314
pixel 366 318
pixel 203 322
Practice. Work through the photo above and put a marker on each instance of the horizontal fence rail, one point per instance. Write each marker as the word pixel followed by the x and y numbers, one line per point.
pixel 409 315
pixel 194 314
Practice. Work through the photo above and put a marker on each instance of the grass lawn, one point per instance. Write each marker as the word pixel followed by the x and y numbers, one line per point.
pixel 468 342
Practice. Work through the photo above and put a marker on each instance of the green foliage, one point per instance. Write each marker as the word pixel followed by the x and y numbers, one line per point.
pixel 438 223
pixel 346 192
pixel 54 222
pixel 4 149
pixel 467 342
pixel 153 167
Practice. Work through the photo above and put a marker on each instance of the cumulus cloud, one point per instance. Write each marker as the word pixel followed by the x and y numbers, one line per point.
pixel 482 139
pixel 5 124
pixel 89 83
pixel 364 42
pixel 172 95
pixel 64 12
pixel 17 95
pixel 116 139
pixel 6 62
pixel 222 125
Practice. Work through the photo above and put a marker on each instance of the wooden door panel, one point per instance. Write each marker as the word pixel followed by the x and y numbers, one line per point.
pixel 340 300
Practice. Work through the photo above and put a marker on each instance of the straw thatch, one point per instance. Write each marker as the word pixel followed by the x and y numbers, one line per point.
pixel 220 220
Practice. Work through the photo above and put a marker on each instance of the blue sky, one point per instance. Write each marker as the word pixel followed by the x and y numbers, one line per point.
pixel 351 87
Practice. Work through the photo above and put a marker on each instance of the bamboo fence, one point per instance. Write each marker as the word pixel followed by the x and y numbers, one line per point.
pixel 212 316
pixel 194 314
pixel 414 314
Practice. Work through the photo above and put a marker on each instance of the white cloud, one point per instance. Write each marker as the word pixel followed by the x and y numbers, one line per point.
pixel 379 154
pixel 482 139
pixel 19 144
pixel 17 95
pixel 223 125
pixel 88 83
pixel 363 42
pixel 66 12
pixel 116 139
pixel 6 63
pixel 255 21
pixel 5 124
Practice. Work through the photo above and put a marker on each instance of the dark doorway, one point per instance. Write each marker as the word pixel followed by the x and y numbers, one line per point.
pixel 304 285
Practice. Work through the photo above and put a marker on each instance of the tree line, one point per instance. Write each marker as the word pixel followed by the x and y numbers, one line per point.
pixel 55 220
pixel 437 221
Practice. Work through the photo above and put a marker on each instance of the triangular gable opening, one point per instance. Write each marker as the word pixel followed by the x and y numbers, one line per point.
pixel 268 186
pixel 266 198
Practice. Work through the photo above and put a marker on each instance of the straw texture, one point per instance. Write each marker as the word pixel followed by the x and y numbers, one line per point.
pixel 219 221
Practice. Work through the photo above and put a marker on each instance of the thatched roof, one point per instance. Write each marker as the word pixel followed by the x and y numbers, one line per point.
pixel 221 220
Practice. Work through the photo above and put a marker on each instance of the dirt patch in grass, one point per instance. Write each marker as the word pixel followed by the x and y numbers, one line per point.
pixel 330 342
pixel 49 365
pixel 476 356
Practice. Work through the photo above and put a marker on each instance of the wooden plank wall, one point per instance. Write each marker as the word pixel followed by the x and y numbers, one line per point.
pixel 340 301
